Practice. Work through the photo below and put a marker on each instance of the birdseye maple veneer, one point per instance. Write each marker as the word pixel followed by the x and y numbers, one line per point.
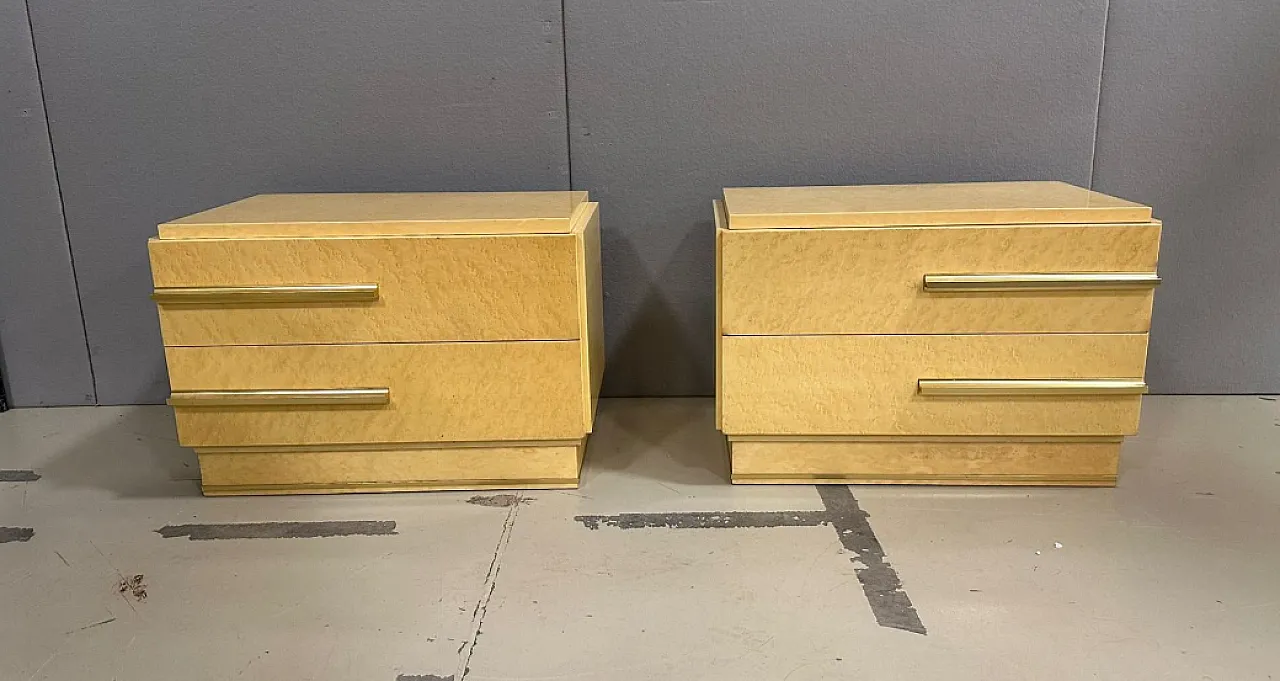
pixel 324 343
pixel 985 333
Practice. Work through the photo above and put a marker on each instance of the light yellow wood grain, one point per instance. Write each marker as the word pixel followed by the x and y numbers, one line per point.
pixel 927 463
pixel 389 469
pixel 373 214
pixel 382 446
pixel 867 385
pixel 590 309
pixel 438 392
pixel 722 222
pixel 872 280
pixel 973 203
pixel 441 486
pixel 429 288
pixel 1062 439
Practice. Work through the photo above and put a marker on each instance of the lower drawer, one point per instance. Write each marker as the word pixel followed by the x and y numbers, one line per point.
pixel 389 469
pixel 871 385
pixel 432 392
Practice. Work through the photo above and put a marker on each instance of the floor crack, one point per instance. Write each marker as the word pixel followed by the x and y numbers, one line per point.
pixel 490 582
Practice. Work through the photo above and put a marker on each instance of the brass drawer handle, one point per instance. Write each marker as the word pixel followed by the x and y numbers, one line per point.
pixel 280 398
pixel 965 387
pixel 1058 281
pixel 251 295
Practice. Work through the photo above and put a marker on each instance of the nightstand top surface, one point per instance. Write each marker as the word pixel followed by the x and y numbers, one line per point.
pixel 304 215
pixel 969 203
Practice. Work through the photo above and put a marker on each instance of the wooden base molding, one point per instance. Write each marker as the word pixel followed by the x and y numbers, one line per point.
pixel 409 468
pixel 1080 462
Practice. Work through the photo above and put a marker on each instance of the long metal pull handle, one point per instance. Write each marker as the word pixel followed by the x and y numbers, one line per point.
pixel 280 398
pixel 965 387
pixel 1055 281
pixel 251 295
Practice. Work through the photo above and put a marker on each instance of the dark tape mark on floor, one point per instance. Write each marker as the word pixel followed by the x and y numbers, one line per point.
pixel 706 520
pixel 494 500
pixel 19 476
pixel 8 534
pixel 280 530
pixel 880 582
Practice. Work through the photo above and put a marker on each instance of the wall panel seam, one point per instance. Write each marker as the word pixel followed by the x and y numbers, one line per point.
pixel 1097 112
pixel 62 206
pixel 568 126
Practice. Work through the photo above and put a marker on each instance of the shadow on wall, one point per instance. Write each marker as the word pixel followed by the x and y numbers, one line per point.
pixel 664 440
pixel 142 378
pixel 4 403
pixel 662 348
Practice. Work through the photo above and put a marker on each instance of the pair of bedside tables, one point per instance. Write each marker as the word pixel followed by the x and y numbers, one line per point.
pixel 989 333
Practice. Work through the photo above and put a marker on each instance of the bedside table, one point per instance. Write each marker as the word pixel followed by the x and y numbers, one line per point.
pixel 321 343
pixel 983 333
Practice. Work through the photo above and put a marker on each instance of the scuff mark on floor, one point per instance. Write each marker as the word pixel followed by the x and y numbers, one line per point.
pixel 116 570
pixel 423 677
pixel 18 476
pixel 95 624
pixel 133 586
pixel 490 583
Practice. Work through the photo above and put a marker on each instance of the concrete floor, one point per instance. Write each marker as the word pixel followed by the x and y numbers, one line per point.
pixel 1175 574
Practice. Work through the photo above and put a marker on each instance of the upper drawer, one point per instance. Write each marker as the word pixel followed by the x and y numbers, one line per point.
pixel 1010 385
pixel 377 393
pixel 263 291
pixel 902 279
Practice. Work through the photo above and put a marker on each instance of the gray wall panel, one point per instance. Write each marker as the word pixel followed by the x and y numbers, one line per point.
pixel 1190 123
pixel 159 109
pixel 41 333
pixel 671 101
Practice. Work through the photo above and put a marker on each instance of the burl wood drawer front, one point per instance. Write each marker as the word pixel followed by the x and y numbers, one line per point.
pixel 389 289
pixel 337 394
pixel 872 385
pixel 873 280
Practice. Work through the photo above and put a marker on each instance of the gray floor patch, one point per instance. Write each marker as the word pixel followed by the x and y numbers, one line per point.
pixel 19 476
pixel 880 583
pixel 8 534
pixel 494 500
pixel 280 530
pixel 423 677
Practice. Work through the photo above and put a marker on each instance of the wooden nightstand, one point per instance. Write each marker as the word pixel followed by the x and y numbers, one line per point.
pixel 984 333
pixel 321 343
